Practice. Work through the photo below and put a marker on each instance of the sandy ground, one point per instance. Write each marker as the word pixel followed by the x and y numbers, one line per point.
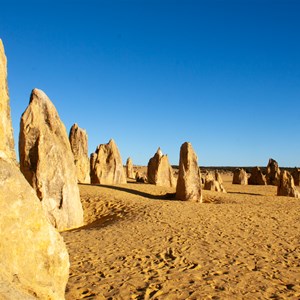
pixel 136 245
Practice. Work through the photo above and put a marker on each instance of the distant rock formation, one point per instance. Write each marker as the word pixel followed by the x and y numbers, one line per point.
pixel 159 171
pixel 6 130
pixel 257 177
pixel 79 145
pixel 34 262
pixel 296 176
pixel 240 177
pixel 47 162
pixel 106 165
pixel 273 172
pixel 141 178
pixel 129 168
pixel 214 182
pixel 189 177
pixel 286 186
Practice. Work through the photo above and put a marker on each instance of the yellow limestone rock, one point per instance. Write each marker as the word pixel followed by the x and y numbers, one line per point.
pixel 106 165
pixel 240 177
pixel 286 186
pixel 189 177
pixel 159 170
pixel 47 162
pixel 6 130
pixel 129 168
pixel 79 145
pixel 34 262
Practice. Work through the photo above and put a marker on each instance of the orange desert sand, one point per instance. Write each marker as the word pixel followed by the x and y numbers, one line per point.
pixel 138 245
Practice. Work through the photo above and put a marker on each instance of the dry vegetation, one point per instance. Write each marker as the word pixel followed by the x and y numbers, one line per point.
pixel 138 245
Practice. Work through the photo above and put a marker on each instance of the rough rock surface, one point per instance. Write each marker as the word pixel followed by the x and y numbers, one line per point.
pixel 189 177
pixel 34 261
pixel 296 176
pixel 286 186
pixel 214 182
pixel 47 162
pixel 257 177
pixel 273 172
pixel 129 168
pixel 141 178
pixel 6 131
pixel 159 170
pixel 240 177
pixel 106 165
pixel 79 145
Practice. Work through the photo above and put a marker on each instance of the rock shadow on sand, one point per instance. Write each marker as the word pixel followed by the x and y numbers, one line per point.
pixel 167 196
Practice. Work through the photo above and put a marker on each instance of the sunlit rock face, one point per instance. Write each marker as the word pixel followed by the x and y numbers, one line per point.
pixel 189 177
pixel 34 262
pixel 286 186
pixel 47 162
pixel 159 170
pixel 214 182
pixel 79 145
pixel 106 165
pixel 240 177
pixel 129 168
pixel 6 130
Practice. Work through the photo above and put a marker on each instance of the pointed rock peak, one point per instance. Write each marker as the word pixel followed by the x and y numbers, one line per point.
pixel 159 152
pixel 111 142
pixel 37 94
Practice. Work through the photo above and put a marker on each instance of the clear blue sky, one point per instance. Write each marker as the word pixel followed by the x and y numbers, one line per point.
pixel 223 75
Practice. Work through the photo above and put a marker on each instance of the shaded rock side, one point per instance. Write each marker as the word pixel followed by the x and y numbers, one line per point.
pixel 189 177
pixel 79 144
pixel 106 165
pixel 34 261
pixel 296 176
pixel 6 130
pixel 159 170
pixel 129 168
pixel 273 172
pixel 257 177
pixel 214 183
pixel 47 162
pixel 240 177
pixel 286 186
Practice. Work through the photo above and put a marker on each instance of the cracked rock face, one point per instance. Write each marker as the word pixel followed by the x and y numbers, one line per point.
pixel 189 177
pixel 79 145
pixel 47 162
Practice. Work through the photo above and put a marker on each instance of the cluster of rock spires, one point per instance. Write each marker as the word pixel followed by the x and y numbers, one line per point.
pixel 43 196
pixel 284 180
